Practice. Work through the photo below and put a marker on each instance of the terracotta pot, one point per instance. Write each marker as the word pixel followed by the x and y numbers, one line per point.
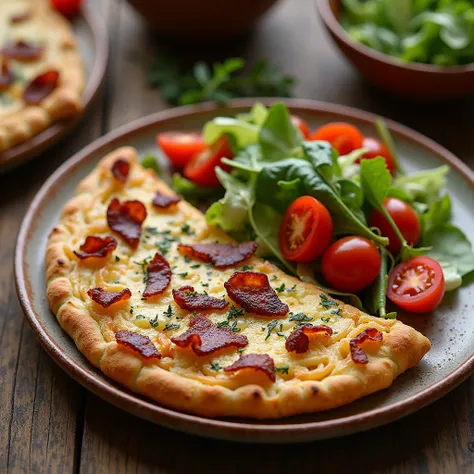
pixel 420 82
pixel 202 20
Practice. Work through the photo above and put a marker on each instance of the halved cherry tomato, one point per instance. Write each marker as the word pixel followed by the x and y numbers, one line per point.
pixel 344 137
pixel 377 148
pixel 417 285
pixel 180 147
pixel 202 167
pixel 404 217
pixel 351 264
pixel 68 8
pixel 300 124
pixel 305 230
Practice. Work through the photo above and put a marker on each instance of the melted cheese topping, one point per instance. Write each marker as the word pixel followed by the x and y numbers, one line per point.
pixel 160 318
pixel 41 29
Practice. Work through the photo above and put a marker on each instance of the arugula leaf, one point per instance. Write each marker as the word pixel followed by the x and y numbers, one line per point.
pixel 451 248
pixel 310 183
pixel 278 137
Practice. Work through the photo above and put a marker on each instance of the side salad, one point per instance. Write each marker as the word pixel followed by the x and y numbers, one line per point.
pixel 333 207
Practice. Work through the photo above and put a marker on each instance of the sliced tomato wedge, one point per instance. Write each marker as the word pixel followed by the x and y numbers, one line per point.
pixel 202 167
pixel 344 137
pixel 180 147
pixel 301 125
pixel 417 285
pixel 377 148
pixel 305 230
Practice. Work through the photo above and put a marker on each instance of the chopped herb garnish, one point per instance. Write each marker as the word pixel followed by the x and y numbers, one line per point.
pixel 281 288
pixel 300 317
pixel 187 229
pixel 240 350
pixel 164 246
pixel 196 265
pixel 169 312
pixel 271 327
pixel 154 322
pixel 273 278
pixel 326 302
pixel 144 262
pixel 247 267
pixel 131 309
pixel 235 312
pixel 117 258
pixel 139 316
pixel 326 320
pixel 292 289
pixel 183 275
pixel 283 369
pixel 171 326
pixel 187 259
pixel 205 284
pixel 280 331
pixel 190 293
pixel 151 230
pixel 215 366
pixel 337 312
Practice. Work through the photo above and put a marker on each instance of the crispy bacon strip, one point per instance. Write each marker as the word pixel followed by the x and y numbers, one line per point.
pixel 97 247
pixel 40 87
pixel 253 292
pixel 187 298
pixel 159 276
pixel 220 255
pixel 138 342
pixel 120 170
pixel 260 362
pixel 22 51
pixel 106 298
pixel 205 338
pixel 357 354
pixel 126 219
pixel 298 340
pixel 7 77
pixel 164 201
pixel 20 17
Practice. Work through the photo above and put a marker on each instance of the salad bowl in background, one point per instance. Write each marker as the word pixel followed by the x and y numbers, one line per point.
pixel 415 81
pixel 203 20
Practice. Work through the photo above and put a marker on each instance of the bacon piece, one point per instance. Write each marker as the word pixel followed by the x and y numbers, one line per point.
pixel 357 354
pixel 253 292
pixel 138 342
pixel 220 255
pixel 261 362
pixel 164 201
pixel 22 51
pixel 40 87
pixel 120 170
pixel 107 298
pixel 298 340
pixel 7 77
pixel 20 17
pixel 204 337
pixel 126 219
pixel 158 276
pixel 95 246
pixel 187 298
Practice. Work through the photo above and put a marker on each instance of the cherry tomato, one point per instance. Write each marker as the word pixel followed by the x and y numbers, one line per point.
pixel 342 136
pixel 351 264
pixel 202 167
pixel 416 285
pixel 68 8
pixel 404 217
pixel 305 230
pixel 180 147
pixel 377 148
pixel 300 124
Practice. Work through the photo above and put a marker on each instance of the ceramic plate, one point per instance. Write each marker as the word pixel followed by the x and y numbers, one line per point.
pixel 450 328
pixel 91 35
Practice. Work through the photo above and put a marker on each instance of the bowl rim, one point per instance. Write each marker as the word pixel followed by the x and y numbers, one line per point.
pixel 236 429
pixel 332 23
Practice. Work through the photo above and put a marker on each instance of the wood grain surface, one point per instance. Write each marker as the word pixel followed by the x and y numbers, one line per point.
pixel 48 423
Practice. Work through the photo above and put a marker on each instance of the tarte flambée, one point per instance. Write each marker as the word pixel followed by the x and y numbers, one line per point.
pixel 41 71
pixel 177 311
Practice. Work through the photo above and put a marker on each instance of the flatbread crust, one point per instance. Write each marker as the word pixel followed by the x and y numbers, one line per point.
pixel 323 378
pixel 46 27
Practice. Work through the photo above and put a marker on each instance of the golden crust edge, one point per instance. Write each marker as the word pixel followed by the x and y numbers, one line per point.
pixel 405 347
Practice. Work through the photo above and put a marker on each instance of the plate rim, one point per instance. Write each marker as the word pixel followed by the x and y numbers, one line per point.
pixel 37 144
pixel 232 430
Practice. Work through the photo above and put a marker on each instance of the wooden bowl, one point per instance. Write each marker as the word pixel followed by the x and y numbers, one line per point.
pixel 201 20
pixel 420 82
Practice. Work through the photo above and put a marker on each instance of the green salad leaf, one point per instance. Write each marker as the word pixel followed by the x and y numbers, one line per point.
pixel 193 192
pixel 245 133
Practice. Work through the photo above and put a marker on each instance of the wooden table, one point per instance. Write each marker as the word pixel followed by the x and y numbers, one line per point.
pixel 49 423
